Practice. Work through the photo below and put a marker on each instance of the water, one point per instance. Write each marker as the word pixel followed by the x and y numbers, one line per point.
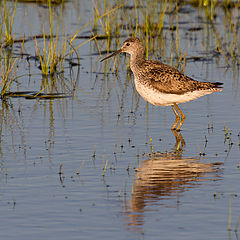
pixel 140 195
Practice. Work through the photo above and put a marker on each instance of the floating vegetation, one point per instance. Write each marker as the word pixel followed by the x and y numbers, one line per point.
pixel 35 95
pixel 54 2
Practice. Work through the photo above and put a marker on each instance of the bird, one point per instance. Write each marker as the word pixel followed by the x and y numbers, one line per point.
pixel 161 84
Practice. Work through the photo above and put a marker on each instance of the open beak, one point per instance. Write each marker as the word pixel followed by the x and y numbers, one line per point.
pixel 115 53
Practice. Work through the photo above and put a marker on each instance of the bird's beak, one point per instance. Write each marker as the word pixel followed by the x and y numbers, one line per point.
pixel 115 53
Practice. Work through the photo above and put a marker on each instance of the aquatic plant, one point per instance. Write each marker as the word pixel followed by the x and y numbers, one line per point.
pixel 78 171
pixel 7 24
pixel 54 2
pixel 51 56
pixel 110 23
pixel 7 71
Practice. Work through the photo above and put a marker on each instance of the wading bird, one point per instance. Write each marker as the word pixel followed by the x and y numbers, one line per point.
pixel 161 84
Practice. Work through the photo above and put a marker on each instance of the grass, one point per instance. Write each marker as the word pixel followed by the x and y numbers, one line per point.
pixel 227 135
pixel 109 23
pixel 230 211
pixel 53 53
pixel 150 21
pixel 7 24
pixel 147 22
pixel 7 71
pixel 105 166
pixel 78 171
pixel 51 56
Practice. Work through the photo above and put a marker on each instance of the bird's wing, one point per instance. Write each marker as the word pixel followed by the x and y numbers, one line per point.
pixel 169 80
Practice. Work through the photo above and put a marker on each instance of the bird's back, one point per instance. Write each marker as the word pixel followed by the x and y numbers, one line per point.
pixel 167 79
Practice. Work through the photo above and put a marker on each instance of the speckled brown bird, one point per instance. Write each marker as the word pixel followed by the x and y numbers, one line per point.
pixel 161 84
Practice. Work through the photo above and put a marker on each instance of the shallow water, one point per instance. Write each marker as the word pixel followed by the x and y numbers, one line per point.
pixel 141 194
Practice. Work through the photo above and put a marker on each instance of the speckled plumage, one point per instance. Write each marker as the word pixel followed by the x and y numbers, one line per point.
pixel 161 84
pixel 169 80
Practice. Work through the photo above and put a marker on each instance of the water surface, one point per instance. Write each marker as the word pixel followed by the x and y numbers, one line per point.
pixel 148 188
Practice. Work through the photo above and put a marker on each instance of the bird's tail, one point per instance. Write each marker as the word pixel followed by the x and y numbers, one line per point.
pixel 217 86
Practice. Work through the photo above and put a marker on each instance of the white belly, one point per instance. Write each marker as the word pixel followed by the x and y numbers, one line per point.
pixel 158 98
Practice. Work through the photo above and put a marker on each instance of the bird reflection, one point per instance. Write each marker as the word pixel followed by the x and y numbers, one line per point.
pixel 179 139
pixel 163 176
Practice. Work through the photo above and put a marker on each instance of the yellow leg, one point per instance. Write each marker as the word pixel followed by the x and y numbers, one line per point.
pixel 179 139
pixel 182 116
pixel 177 118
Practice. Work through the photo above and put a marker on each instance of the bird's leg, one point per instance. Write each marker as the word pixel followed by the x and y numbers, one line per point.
pixel 182 116
pixel 177 117
pixel 179 140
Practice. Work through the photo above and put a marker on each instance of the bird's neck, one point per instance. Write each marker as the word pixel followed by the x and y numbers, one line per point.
pixel 136 59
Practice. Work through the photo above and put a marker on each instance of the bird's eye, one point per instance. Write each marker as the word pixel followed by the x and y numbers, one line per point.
pixel 128 44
